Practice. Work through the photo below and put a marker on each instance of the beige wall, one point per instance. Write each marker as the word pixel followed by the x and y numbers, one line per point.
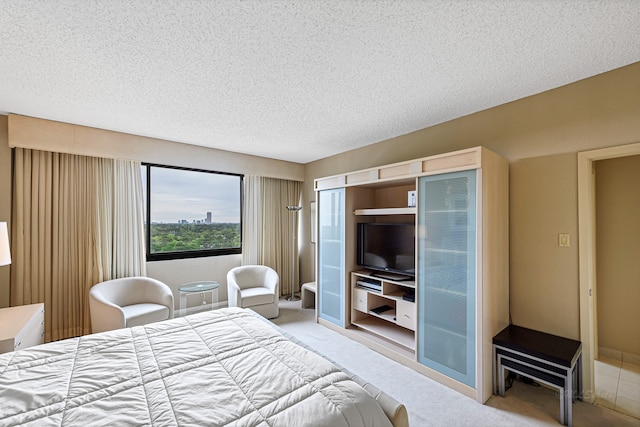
pixel 544 280
pixel 177 272
pixel 5 203
pixel 35 133
pixel 540 135
pixel 40 134
pixel 618 253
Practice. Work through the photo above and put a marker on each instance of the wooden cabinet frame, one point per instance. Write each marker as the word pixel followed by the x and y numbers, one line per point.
pixel 382 191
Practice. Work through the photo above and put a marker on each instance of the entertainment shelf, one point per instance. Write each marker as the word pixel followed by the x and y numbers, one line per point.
pixel 397 323
pixel 386 211
pixel 460 291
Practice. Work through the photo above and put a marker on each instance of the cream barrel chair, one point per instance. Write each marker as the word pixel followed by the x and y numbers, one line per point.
pixel 255 287
pixel 129 301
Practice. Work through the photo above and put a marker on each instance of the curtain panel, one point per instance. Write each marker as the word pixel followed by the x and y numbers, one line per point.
pixel 268 227
pixel 76 221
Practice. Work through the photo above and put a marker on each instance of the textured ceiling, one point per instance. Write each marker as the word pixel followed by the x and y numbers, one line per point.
pixel 297 80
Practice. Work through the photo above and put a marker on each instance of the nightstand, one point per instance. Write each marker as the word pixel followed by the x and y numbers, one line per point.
pixel 21 327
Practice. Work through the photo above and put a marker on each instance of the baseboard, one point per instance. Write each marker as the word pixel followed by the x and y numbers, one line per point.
pixel 619 356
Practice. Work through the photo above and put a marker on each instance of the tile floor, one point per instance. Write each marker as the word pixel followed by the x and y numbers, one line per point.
pixel 617 381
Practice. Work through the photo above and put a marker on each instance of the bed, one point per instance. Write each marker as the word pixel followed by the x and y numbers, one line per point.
pixel 223 367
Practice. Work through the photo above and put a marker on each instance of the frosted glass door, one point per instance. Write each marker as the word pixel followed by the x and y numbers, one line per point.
pixel 331 289
pixel 447 274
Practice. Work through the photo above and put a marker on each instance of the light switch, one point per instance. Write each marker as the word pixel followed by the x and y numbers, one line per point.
pixel 564 240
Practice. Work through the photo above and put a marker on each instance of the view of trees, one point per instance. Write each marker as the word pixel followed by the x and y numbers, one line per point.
pixel 190 237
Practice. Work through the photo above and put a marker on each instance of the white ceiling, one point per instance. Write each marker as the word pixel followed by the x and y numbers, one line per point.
pixel 297 80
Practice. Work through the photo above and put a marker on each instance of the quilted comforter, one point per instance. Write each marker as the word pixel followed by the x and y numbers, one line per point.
pixel 224 367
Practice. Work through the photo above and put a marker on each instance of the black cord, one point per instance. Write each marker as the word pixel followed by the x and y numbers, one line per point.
pixel 509 381
pixel 529 381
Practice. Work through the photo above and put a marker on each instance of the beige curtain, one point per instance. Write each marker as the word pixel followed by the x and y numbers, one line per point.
pixel 67 236
pixel 121 219
pixel 268 236
pixel 252 220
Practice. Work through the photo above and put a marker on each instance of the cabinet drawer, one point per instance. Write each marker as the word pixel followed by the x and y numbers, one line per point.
pixel 360 299
pixel 406 314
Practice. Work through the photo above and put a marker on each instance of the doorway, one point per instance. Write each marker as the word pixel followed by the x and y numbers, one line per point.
pixel 588 262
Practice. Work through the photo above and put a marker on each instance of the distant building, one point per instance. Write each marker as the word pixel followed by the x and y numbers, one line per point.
pixel 208 221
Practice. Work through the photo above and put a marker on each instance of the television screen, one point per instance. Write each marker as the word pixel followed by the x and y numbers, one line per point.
pixel 387 247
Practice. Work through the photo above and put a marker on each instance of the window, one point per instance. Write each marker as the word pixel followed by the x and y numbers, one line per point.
pixel 191 213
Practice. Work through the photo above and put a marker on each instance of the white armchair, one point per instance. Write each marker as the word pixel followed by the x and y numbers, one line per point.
pixel 255 287
pixel 129 301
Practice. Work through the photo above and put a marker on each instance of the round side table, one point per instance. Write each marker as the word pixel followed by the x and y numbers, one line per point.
pixel 202 288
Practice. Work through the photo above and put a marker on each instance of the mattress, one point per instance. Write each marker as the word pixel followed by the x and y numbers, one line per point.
pixel 223 367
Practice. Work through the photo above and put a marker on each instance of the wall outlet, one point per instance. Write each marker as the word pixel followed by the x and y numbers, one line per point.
pixel 564 240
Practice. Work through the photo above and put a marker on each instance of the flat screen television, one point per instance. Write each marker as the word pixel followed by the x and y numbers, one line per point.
pixel 387 248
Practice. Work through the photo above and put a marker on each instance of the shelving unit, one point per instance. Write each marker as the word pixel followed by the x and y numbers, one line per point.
pixel 386 211
pixel 397 324
pixel 461 264
pixel 384 329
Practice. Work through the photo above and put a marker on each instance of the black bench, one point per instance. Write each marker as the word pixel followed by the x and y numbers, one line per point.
pixel 549 359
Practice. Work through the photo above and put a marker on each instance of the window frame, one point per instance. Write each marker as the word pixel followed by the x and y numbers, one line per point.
pixel 165 256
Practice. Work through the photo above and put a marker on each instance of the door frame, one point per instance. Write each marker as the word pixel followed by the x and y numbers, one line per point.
pixel 587 255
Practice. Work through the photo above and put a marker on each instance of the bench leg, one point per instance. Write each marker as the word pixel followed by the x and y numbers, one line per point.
pixel 493 368
pixel 501 376
pixel 579 390
pixel 308 297
pixel 563 406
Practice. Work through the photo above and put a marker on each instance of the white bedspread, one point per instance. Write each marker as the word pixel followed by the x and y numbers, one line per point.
pixel 223 367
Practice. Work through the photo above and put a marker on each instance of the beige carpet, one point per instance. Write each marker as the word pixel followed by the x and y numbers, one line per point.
pixel 431 404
